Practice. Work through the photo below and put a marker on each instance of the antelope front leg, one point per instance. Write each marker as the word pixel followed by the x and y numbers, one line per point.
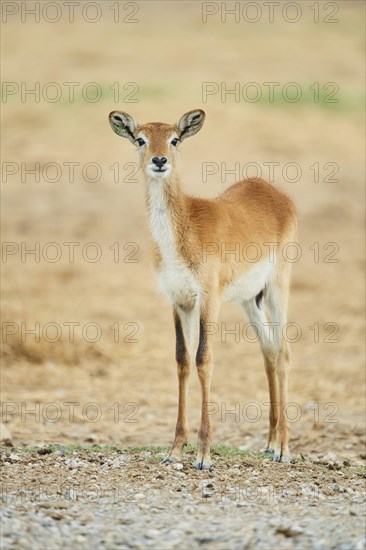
pixel 270 365
pixel 281 450
pixel 204 370
pixel 183 364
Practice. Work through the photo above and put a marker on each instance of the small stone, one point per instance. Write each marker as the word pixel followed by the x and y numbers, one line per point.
pixel 46 522
pixel 14 458
pixel 234 471
pixel 330 457
pixel 208 484
pixel 288 531
pixel 125 521
pixel 57 514
pixel 72 463
pixel 124 458
pixel 178 466
pixel 5 434
pixel 51 505
pixel 23 542
pixel 152 533
pixel 70 494
pixel 86 518
pixel 207 494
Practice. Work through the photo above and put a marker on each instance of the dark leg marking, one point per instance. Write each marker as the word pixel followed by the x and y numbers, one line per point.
pixel 180 350
pixel 202 345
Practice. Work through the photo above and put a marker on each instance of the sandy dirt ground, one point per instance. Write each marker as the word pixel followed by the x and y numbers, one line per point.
pixel 87 343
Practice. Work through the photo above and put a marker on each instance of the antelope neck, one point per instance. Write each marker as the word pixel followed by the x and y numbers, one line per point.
pixel 168 215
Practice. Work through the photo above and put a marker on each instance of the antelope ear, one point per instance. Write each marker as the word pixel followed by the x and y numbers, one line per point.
pixel 190 123
pixel 123 124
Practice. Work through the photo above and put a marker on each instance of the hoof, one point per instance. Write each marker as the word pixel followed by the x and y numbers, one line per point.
pixel 268 451
pixel 202 465
pixel 169 460
pixel 284 459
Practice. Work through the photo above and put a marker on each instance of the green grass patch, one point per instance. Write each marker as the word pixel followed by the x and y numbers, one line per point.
pixel 217 452
pixel 67 449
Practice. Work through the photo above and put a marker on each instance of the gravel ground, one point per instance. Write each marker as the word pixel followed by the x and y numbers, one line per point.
pixel 106 498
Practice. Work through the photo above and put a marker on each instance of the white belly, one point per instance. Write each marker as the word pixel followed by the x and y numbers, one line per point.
pixel 249 284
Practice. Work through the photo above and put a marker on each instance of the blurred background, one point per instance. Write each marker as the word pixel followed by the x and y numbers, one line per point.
pixel 82 322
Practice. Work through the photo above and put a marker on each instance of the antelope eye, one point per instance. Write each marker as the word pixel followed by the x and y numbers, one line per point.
pixel 140 141
pixel 174 142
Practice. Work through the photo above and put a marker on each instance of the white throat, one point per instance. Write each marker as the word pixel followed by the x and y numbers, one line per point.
pixel 160 221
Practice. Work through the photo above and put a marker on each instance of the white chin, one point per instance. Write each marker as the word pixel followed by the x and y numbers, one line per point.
pixel 156 174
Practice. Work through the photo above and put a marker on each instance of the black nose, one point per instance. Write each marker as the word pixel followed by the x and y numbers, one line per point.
pixel 159 161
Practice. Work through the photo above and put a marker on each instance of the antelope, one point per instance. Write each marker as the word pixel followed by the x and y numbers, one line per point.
pixel 188 234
